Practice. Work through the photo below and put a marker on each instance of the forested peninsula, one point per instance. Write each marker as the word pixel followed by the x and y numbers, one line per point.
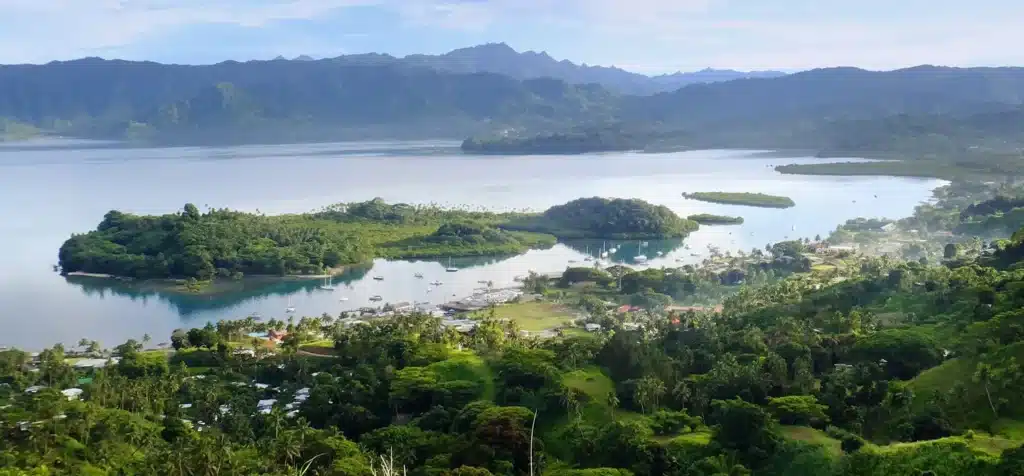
pixel 232 244
pixel 576 142
pixel 710 219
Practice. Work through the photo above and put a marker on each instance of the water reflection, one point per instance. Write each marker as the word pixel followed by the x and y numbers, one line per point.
pixel 402 281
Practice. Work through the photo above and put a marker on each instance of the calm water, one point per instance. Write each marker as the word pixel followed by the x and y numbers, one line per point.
pixel 47 193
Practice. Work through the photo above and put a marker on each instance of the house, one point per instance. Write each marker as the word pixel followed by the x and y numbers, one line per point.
pixel 889 227
pixel 95 363
pixel 625 308
pixel 34 388
pixel 264 406
pixel 245 352
pixel 72 393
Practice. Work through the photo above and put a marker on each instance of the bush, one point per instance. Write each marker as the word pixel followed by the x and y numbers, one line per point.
pixel 669 423
pixel 849 442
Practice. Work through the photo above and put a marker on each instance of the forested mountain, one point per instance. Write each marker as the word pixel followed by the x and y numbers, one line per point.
pixel 282 100
pixel 837 93
pixel 502 59
pixel 100 98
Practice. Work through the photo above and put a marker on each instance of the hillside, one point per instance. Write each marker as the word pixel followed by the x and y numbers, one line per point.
pixel 835 94
pixel 377 96
pixel 282 100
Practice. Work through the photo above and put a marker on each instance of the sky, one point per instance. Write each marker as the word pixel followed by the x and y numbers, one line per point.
pixel 646 36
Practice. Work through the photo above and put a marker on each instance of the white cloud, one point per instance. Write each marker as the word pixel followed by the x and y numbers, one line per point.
pixel 40 30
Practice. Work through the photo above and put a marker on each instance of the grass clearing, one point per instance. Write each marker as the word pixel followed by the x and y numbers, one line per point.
pixel 812 436
pixel 464 365
pixel 534 316
pixel 990 445
pixel 974 412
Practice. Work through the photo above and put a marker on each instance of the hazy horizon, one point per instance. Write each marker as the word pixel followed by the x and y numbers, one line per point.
pixel 644 36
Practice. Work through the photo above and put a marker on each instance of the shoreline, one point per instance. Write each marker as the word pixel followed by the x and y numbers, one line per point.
pixel 212 287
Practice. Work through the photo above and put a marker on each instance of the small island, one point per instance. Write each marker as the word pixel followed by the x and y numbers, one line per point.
pixel 709 219
pixel 200 246
pixel 602 218
pixel 742 198
pixel 193 247
pixel 575 142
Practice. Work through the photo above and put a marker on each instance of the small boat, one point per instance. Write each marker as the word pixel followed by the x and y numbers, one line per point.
pixel 640 258
pixel 419 275
pixel 376 298
pixel 378 278
pixel 694 254
pixel 572 261
pixel 450 268
pixel 256 316
pixel 436 283
pixel 588 259
pixel 482 281
pixel 343 299
pixel 661 253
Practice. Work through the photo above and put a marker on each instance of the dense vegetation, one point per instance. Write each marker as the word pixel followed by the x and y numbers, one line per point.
pixel 606 218
pixel 710 219
pixel 229 244
pixel 576 142
pixel 896 368
pixel 742 198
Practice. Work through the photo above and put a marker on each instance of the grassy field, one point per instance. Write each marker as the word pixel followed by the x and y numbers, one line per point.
pixel 464 365
pixel 975 413
pixel 534 316
pixel 813 436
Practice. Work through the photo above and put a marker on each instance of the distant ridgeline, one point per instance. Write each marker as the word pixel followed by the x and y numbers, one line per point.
pixel 574 142
pixel 231 244
pixel 931 110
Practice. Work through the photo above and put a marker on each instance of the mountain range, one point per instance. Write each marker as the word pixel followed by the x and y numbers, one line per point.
pixel 490 89
pixel 502 59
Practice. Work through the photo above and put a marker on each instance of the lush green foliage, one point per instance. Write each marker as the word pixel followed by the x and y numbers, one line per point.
pixel 742 198
pixel 229 244
pixel 709 219
pixel 607 218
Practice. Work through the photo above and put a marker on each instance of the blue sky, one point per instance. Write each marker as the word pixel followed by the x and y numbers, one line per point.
pixel 649 36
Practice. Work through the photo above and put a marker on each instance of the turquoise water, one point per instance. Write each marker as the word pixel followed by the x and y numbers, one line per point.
pixel 48 193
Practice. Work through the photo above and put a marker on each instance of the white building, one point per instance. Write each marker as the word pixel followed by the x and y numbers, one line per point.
pixel 72 393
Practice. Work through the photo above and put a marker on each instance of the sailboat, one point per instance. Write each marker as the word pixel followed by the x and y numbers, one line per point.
pixel 640 258
pixel 450 268
pixel 328 284
pixel 290 309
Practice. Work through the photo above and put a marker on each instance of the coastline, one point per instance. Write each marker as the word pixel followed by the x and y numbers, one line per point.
pixel 209 288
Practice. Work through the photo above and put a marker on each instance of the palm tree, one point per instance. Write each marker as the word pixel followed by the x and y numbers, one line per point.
pixel 387 466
